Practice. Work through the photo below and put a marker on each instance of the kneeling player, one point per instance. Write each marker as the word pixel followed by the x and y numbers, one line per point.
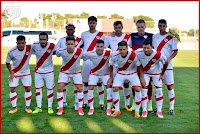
pixel 151 60
pixel 127 62
pixel 99 72
pixel 70 69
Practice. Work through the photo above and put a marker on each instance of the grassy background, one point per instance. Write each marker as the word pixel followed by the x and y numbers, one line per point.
pixel 186 119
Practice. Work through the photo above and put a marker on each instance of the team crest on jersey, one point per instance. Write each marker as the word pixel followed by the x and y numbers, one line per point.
pixel 49 50
pixel 98 37
pixel 76 42
pixel 145 36
pixel 105 57
pixel 75 56
pixel 125 40
pixel 153 60
pixel 165 40
pixel 27 53
pixel 130 61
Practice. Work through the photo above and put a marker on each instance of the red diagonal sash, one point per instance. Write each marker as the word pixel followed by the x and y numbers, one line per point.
pixel 163 42
pixel 26 54
pixel 102 62
pixel 126 37
pixel 44 56
pixel 93 44
pixel 77 41
pixel 72 60
pixel 152 61
pixel 128 62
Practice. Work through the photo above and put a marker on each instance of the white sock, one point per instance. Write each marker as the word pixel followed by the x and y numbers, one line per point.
pixel 171 95
pixel 50 97
pixel 85 94
pixel 13 99
pixel 144 99
pixel 28 96
pixel 138 98
pixel 101 94
pixel 60 99
pixel 65 89
pixel 75 94
pixel 109 98
pixel 91 99
pixel 116 99
pixel 159 99
pixel 80 99
pixel 38 95
pixel 126 96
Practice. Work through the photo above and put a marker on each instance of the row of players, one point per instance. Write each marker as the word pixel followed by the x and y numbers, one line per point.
pixel 44 69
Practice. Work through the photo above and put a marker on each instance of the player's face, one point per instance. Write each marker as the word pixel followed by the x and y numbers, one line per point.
pixel 70 31
pixel 147 49
pixel 140 28
pixel 99 48
pixel 118 29
pixel 92 24
pixel 123 51
pixel 43 40
pixel 70 46
pixel 162 27
pixel 21 44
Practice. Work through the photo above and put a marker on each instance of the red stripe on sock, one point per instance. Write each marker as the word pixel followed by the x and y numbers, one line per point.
pixel 11 99
pixel 79 100
pixel 109 101
pixel 50 95
pixel 158 99
pixel 64 90
pixel 37 93
pixel 138 103
pixel 89 101
pixel 172 99
pixel 75 91
pixel 102 92
pixel 85 92
pixel 59 99
pixel 144 98
pixel 115 102
pixel 128 96
pixel 28 98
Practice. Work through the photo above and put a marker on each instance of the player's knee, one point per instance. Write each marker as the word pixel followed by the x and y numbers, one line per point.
pixel 27 89
pixel 126 85
pixel 12 90
pixel 115 89
pixel 108 86
pixel 91 87
pixel 99 84
pixel 86 84
pixel 170 87
pixel 137 89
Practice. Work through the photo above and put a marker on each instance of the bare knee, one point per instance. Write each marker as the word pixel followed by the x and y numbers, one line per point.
pixel 86 84
pixel 99 84
pixel 79 88
pixel 170 87
pixel 126 85
pixel 115 89
pixel 12 90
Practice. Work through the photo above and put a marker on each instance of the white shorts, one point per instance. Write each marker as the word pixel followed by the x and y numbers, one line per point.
pixel 65 78
pixel 155 79
pixel 120 79
pixel 48 78
pixel 87 66
pixel 115 68
pixel 94 79
pixel 26 81
pixel 169 77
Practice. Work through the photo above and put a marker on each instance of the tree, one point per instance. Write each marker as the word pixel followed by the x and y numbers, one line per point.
pixel 176 30
pixel 84 15
pixel 3 15
pixel 148 20
pixel 102 17
pixel 116 16
pixel 191 32
pixel 24 22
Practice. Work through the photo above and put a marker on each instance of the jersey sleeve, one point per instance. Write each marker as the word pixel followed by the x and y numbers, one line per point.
pixel 137 61
pixel 58 45
pixel 113 60
pixel 174 44
pixel 86 56
pixel 129 42
pixel 103 37
pixel 106 43
pixel 8 58
pixel 58 53
pixel 163 59
pixel 32 49
pixel 80 43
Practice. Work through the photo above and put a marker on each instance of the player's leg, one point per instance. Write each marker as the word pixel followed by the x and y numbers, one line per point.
pixel 100 89
pixel 26 81
pixel 150 91
pixel 39 84
pixel 127 96
pixel 169 81
pixel 76 100
pixel 49 79
pixel 65 89
pixel 13 95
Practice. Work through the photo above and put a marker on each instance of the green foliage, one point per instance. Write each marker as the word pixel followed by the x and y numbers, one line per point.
pixel 148 20
pixel 116 16
pixel 3 15
pixel 102 17
pixel 176 30
pixel 84 15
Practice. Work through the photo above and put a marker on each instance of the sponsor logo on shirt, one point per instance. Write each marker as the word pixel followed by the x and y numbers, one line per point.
pixel 136 36
pixel 130 61
pixel 27 53
pixel 105 57
pixel 145 36
pixel 49 50
pixel 165 40
pixel 153 60
pixel 98 37
pixel 75 56
pixel 76 42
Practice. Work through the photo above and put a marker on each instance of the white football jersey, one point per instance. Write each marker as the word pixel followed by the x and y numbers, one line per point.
pixel 20 60
pixel 62 41
pixel 88 38
pixel 132 68
pixel 113 41
pixel 44 62
pixel 151 63
pixel 168 48
pixel 71 59
pixel 96 60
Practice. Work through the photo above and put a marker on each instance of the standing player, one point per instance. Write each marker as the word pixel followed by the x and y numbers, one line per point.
pixel 70 29
pixel 151 61
pixel 112 42
pixel 99 72
pixel 89 39
pixel 168 47
pixel 44 71
pixel 70 69
pixel 20 56
pixel 137 42
pixel 127 66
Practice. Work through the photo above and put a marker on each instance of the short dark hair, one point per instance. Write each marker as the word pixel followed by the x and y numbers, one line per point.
pixel 43 33
pixel 70 25
pixel 147 41
pixel 140 21
pixel 122 43
pixel 162 21
pixel 21 37
pixel 117 23
pixel 99 41
pixel 93 18
pixel 70 38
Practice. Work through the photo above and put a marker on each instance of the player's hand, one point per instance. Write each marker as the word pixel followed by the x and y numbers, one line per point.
pixel 11 77
pixel 112 34
pixel 143 82
pixel 162 78
pixel 110 81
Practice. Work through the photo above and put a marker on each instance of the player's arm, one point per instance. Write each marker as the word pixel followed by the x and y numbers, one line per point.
pixel 174 53
pixel 110 80
pixel 164 68
pixel 8 59
pixel 142 80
